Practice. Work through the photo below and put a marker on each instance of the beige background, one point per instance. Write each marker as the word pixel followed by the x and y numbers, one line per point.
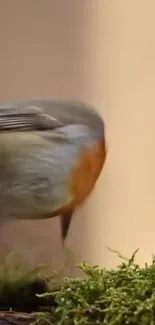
pixel 103 52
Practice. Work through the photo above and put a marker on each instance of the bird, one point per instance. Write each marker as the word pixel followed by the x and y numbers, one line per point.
pixel 52 152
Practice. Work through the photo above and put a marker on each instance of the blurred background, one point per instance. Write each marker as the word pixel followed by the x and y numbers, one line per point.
pixel 102 52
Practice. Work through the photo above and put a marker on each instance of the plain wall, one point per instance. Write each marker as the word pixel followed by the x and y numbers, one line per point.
pixel 102 52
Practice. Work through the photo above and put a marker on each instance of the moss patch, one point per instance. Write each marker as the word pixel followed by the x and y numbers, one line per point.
pixel 122 296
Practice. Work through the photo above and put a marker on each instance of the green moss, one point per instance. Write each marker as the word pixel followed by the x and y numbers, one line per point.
pixel 111 297
pixel 121 296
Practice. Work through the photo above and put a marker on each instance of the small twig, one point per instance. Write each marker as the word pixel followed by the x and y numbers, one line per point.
pixel 129 260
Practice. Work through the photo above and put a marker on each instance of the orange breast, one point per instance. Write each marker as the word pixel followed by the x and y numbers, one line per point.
pixel 83 177
pixel 86 172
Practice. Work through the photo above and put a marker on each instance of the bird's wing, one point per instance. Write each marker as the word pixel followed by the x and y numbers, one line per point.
pixel 68 112
pixel 24 118
pixel 35 171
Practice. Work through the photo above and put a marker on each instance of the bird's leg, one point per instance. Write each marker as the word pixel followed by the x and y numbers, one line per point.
pixel 69 258
pixel 65 221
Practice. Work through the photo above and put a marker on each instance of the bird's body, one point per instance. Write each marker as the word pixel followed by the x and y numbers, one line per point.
pixel 51 155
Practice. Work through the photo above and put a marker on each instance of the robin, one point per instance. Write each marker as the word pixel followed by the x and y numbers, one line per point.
pixel 51 155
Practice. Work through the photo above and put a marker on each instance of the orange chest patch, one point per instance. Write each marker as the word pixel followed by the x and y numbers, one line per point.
pixel 83 177
pixel 87 171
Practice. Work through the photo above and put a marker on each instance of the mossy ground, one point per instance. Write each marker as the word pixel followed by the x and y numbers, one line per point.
pixel 121 296
pixel 20 283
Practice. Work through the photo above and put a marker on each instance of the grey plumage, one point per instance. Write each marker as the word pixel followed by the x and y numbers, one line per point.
pixel 40 143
